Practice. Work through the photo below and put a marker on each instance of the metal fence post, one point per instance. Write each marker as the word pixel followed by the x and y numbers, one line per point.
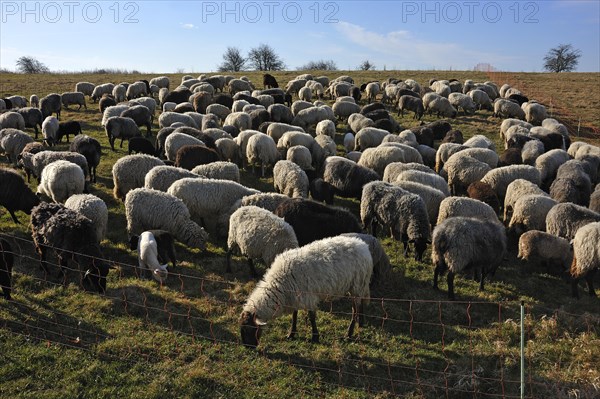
pixel 522 349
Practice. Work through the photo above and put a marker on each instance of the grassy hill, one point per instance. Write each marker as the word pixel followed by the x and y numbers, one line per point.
pixel 141 340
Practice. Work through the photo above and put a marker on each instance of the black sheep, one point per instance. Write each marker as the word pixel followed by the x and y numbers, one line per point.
pixel 269 81
pixel 67 128
pixel 313 221
pixel 106 101
pixel 348 178
pixel 141 115
pixel 164 243
pixel 223 99
pixel 201 101
pixel 70 235
pixel 411 103
pixel 141 145
pixel 258 117
pixel 90 148
pixel 161 137
pixel 377 114
pixel 8 103
pixel 518 98
pixel 371 107
pixel 387 124
pixel 232 130
pixel 6 265
pixel 184 107
pixel 551 141
pixel 355 93
pixel 190 156
pixel 246 97
pixel 321 191
pixel 454 136
pixel 424 135
pixel 178 96
pixel 439 128
pixel 511 156
pixel 15 195
pixel 263 127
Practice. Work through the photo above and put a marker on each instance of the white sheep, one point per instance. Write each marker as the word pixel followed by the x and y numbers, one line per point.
pixel 357 121
pixel 552 251
pixel 326 128
pixel 113 110
pixel 221 170
pixel 377 158
pixel 481 248
pixel 290 179
pixel 129 172
pixel 372 90
pixel 531 151
pixel 86 88
pixel 467 207
pixel 392 170
pixel 369 137
pixel 429 179
pixel 459 100
pixel 300 278
pixel 564 219
pixel 12 142
pixel 508 109
pixel 160 81
pixel 343 109
pixel 431 196
pixel 586 256
pixel 258 234
pixel 147 209
pixel 499 178
pixel 177 140
pixel 529 213
pixel 207 199
pixel 38 161
pixel 119 92
pixel 517 189
pixel 161 177
pixel 480 141
pixel 49 130
pixel 99 90
pixel 312 116
pixel 463 170
pixel 166 119
pixel 261 148
pixel 73 98
pixel 240 120
pixel 218 109
pixel 34 101
pixel 535 113
pixel 147 249
pixel 229 150
pixel 61 179
pixel 277 129
pixel 442 107
pixel 301 156
pixel 92 208
pixel 548 163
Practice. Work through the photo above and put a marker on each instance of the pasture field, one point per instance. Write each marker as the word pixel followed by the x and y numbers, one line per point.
pixel 181 340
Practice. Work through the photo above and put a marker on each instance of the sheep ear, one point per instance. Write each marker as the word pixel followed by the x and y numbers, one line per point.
pixel 259 322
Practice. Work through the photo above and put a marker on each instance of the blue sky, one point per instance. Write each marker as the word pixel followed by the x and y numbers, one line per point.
pixel 159 36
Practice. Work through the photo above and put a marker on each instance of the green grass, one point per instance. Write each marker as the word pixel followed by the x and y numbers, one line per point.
pixel 182 340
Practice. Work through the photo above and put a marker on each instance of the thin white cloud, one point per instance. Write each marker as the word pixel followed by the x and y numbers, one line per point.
pixel 412 52
pixel 188 26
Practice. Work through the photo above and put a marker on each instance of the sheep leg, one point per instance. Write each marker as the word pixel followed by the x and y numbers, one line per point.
pixel 450 280
pixel 262 169
pixel 43 262
pixel 228 260
pixel 121 146
pixel 293 328
pixel 481 282
pixel 353 321
pixel 251 266
pixel 589 278
pixel 14 217
pixel 574 290
pixel 439 269
pixel 312 316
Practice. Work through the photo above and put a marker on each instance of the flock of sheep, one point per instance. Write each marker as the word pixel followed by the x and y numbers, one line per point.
pixel 186 185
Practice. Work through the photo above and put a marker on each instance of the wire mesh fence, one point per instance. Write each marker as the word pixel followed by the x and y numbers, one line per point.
pixel 434 348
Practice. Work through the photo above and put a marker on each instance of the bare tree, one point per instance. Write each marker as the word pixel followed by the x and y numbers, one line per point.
pixel 366 66
pixel 562 58
pixel 320 65
pixel 27 64
pixel 264 58
pixel 233 61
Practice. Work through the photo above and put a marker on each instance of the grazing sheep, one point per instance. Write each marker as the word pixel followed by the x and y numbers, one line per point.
pixel 38 161
pixel 572 184
pixel 148 209
pixel 378 158
pixel 411 103
pixel 86 88
pixel 586 257
pixel 534 113
pixel 290 179
pixel 61 179
pixel 258 234
pixel 481 248
pixel 369 137
pixel 397 210
pixel 393 169
pixel 500 178
pixel 218 170
pixel 167 119
pixel 280 113
pixel 463 170
pixel 517 189
pixel 426 178
pixel 548 163
pixel 99 90
pixel 50 104
pixel 66 129
pixel 120 127
pixel 208 199
pixel 356 122
pixel 129 172
pixel 347 177
pixel 563 220
pixel 151 252
pixel 442 107
pixel 140 145
pixel 444 152
pixel 529 213
pixel 190 156
pixel 312 116
pixel 32 117
pixel 261 147
pixel 550 251
pixel 431 196
pixel 92 208
pixel 6 265
pixel 15 195
pixel 111 111
pixel 90 148
pixel 241 120
pixel 69 234
pixel 480 141
pixel 49 130
pixel 466 207
pixel 73 98
pixel 141 115
pixel 161 177
pixel 459 100
pixel 328 268
pixel 343 109
pixel 595 201
pixel 531 151
pixel 301 156
pixel 177 96
pixel 119 94
pixel 177 140
pixel 12 120
pixel 481 99
pixel 12 142
pixel 484 193
pixel 508 109
pixel 314 221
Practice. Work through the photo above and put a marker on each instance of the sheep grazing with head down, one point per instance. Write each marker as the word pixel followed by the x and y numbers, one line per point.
pixel 12 142
pixel 347 177
pixel 69 234
pixel 290 179
pixel 258 234
pixel 398 210
pixel 154 247
pixel 565 219
pixel 130 171
pixel 586 256
pixel 300 278
pixel 546 249
pixel 92 208
pixel 60 180
pixel 15 195
pixel 147 209
pixel 90 148
pixel 530 212
pixel 481 248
